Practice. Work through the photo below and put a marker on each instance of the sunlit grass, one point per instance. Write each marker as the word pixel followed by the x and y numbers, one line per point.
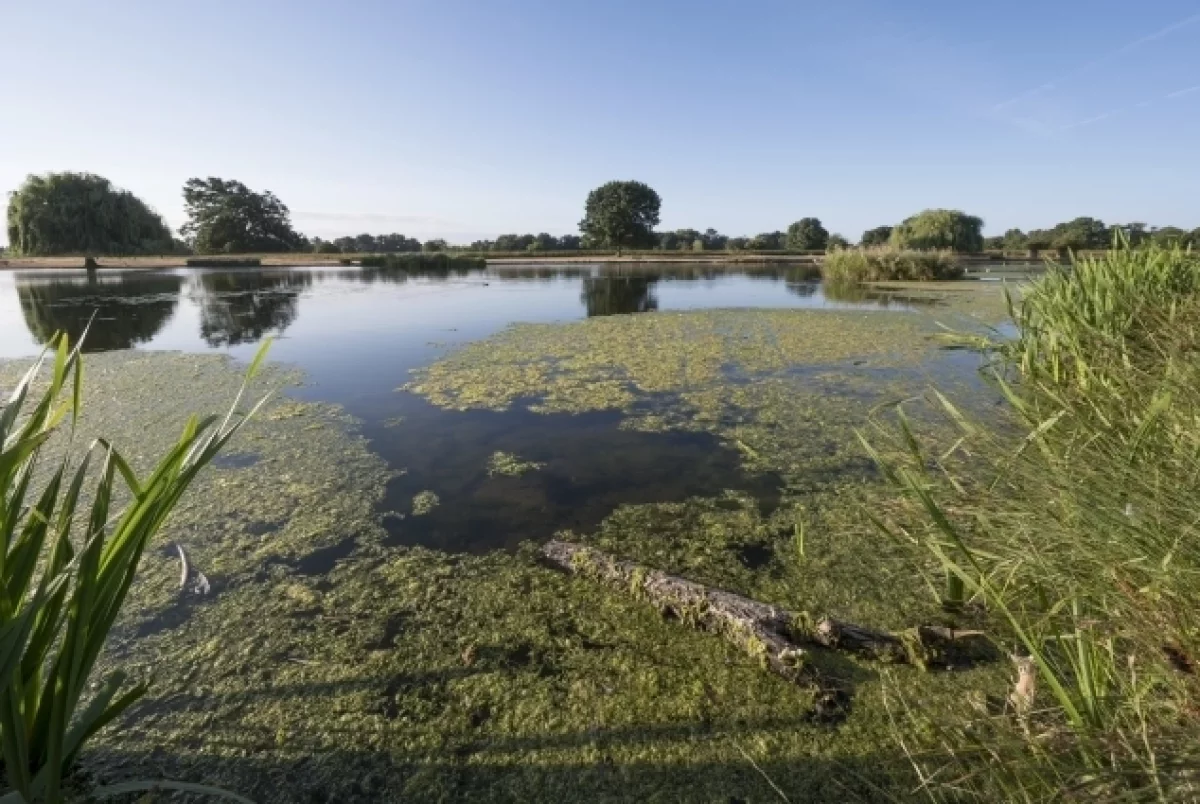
pixel 1074 540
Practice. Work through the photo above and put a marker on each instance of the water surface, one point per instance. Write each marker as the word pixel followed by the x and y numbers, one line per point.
pixel 358 333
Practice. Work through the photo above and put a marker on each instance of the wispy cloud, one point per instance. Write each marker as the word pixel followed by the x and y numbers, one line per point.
pixel 1179 93
pixel 1127 47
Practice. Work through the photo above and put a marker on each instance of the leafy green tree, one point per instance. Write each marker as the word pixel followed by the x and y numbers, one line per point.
pixel 1081 233
pixel 767 241
pixel 1171 236
pixel 714 240
pixel 543 242
pixel 435 245
pixel 807 234
pixel 940 229
pixel 668 241
pixel 621 214
pixel 1014 240
pixel 1136 233
pixel 698 244
pixel 569 242
pixel 81 213
pixel 876 237
pixel 737 243
pixel 837 241
pixel 228 217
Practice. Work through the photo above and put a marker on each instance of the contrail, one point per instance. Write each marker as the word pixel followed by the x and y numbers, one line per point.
pixel 1136 43
pixel 1179 93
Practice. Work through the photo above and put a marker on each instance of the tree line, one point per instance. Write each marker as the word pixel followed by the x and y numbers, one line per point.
pixel 81 213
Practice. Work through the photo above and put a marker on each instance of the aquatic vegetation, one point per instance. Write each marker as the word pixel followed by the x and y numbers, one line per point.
pixel 424 502
pixel 357 670
pixel 850 265
pixel 509 465
pixel 67 569
pixel 1077 534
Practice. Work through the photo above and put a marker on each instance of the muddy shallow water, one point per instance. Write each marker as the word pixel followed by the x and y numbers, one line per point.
pixel 365 639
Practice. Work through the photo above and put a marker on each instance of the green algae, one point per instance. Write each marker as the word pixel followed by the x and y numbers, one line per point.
pixel 424 502
pixel 400 674
pixel 505 464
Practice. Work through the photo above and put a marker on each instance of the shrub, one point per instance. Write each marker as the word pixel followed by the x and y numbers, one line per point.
pixel 886 262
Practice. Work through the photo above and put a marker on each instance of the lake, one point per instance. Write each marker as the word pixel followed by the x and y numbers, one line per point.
pixel 376 626
pixel 358 333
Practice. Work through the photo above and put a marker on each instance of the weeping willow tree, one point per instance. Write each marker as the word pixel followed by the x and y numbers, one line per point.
pixel 81 213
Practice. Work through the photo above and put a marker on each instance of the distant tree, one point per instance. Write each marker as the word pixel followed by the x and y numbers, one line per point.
pixel 836 241
pixel 228 217
pixel 698 244
pixel 737 243
pixel 320 246
pixel 714 240
pixel 767 241
pixel 1171 236
pixel 940 229
pixel 81 213
pixel 1080 233
pixel 668 241
pixel 1135 233
pixel 483 245
pixel 807 234
pixel 621 214
pixel 876 237
pixel 543 242
pixel 434 245
pixel 1014 240
pixel 995 243
pixel 569 242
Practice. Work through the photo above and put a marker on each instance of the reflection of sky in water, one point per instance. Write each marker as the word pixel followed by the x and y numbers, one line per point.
pixel 357 335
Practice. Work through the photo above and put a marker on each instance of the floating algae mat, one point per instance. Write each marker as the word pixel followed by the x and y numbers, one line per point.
pixel 333 662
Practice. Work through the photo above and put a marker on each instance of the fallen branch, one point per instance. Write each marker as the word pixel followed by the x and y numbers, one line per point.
pixel 777 636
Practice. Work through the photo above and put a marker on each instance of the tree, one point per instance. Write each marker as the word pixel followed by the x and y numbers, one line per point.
pixel 543 242
pixel 1080 233
pixel 940 229
pixel 621 214
pixel 767 241
pixel 1015 240
pixel 807 234
pixel 737 243
pixel 228 217
pixel 836 241
pixel 81 213
pixel 876 237
pixel 1170 236
pixel 435 245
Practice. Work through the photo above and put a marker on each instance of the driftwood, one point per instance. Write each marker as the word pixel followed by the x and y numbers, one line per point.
pixel 187 571
pixel 778 636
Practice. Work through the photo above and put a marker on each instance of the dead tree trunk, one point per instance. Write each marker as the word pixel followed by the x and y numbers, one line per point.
pixel 775 635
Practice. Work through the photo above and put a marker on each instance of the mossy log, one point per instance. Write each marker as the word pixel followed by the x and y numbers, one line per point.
pixel 778 636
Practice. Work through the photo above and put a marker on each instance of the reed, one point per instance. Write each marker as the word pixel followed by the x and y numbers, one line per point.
pixel 66 567
pixel 1077 538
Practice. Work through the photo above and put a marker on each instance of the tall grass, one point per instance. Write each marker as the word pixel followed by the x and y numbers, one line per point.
pixel 1078 539
pixel 880 263
pixel 66 567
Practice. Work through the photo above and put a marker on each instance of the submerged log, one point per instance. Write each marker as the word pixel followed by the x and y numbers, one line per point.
pixel 777 636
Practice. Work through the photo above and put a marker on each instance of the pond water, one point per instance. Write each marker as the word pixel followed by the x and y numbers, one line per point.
pixel 358 333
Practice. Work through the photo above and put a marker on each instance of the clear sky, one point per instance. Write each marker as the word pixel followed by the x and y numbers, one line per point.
pixel 470 118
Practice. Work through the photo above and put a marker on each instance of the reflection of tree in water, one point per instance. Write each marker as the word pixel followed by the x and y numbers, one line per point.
pixel 614 295
pixel 124 310
pixel 242 306
pixel 803 288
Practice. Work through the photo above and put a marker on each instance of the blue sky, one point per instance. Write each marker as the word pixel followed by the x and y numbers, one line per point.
pixel 470 118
